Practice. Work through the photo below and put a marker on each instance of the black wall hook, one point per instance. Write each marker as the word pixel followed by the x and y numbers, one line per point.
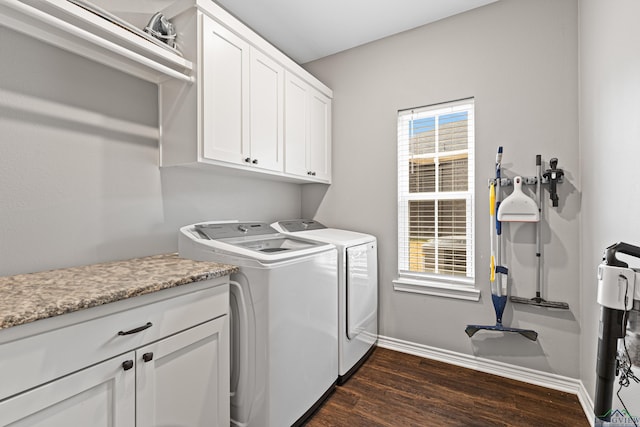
pixel 553 175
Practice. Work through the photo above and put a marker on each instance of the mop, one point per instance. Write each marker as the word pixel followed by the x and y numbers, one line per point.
pixel 538 300
pixel 498 271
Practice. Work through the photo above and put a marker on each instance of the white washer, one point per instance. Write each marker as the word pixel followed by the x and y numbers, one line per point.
pixel 284 311
pixel 357 288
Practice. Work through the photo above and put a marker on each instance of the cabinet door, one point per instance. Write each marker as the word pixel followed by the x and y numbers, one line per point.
pixel 100 396
pixel 295 121
pixel 267 95
pixel 320 135
pixel 225 94
pixel 307 130
pixel 183 380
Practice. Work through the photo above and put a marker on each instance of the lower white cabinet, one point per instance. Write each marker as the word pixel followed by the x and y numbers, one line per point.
pixel 184 380
pixel 101 395
pixel 181 379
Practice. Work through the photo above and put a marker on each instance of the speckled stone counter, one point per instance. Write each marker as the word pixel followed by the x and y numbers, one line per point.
pixel 25 298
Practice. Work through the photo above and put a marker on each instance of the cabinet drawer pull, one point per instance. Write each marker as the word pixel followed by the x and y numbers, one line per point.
pixel 247 160
pixel 147 357
pixel 136 330
pixel 254 161
pixel 127 364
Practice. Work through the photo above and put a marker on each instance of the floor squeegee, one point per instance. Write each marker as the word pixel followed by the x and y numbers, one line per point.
pixel 538 300
pixel 499 273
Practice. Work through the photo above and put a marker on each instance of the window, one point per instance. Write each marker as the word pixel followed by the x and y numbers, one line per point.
pixel 435 196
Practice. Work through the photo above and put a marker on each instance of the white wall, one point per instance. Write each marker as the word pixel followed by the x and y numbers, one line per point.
pixel 609 153
pixel 518 58
pixel 78 194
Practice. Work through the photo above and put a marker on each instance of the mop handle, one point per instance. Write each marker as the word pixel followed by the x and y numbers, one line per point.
pixel 492 224
pixel 538 227
pixel 498 258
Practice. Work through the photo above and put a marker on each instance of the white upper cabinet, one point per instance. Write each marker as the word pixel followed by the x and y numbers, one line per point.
pixel 225 94
pixel 307 131
pixel 242 114
pixel 242 101
pixel 296 118
pixel 266 101
pixel 320 136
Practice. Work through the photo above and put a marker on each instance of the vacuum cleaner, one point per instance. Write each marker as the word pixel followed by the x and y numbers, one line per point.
pixel 619 298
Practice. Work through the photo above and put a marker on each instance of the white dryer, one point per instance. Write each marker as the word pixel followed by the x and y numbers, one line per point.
pixel 284 311
pixel 357 288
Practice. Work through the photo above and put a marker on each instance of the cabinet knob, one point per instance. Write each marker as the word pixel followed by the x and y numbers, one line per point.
pixel 147 357
pixel 254 161
pixel 247 159
pixel 309 173
pixel 313 173
pixel 127 364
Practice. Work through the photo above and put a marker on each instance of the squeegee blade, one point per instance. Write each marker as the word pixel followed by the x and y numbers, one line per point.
pixel 471 330
pixel 498 327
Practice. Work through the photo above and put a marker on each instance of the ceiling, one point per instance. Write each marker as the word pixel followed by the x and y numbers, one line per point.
pixel 306 30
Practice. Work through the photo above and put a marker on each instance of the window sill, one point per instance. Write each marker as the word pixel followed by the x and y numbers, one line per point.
pixel 426 287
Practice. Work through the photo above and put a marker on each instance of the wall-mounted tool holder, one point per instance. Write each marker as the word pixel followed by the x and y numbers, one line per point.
pixel 527 180
pixel 552 176
pixel 524 212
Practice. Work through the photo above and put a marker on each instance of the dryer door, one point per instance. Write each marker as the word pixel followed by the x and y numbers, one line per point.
pixel 361 287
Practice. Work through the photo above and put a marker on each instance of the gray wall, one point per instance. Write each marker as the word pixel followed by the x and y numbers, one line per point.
pixel 609 151
pixel 78 194
pixel 519 60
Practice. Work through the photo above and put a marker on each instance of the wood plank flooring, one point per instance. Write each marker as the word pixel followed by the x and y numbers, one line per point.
pixel 396 390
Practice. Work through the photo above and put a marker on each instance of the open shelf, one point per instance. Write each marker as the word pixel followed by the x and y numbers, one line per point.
pixel 73 28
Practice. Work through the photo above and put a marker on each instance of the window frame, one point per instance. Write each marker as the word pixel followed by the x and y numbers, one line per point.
pixel 447 285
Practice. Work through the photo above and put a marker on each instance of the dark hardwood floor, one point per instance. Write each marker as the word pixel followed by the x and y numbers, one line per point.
pixel 398 390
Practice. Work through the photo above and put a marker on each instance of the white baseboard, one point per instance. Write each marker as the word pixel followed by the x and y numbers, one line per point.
pixel 519 373
pixel 587 404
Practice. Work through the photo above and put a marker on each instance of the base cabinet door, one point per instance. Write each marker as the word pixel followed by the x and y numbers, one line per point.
pixel 100 396
pixel 183 380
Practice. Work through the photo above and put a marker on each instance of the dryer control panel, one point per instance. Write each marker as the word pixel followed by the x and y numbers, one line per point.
pixel 291 226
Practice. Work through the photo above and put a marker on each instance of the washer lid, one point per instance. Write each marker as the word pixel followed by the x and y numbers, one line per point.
pixel 310 229
pixel 225 230
pixel 336 236
pixel 251 240
pixel 271 244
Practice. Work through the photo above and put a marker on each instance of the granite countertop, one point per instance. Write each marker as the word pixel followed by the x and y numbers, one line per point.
pixel 25 298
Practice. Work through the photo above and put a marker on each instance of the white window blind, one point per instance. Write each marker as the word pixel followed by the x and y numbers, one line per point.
pixel 435 192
